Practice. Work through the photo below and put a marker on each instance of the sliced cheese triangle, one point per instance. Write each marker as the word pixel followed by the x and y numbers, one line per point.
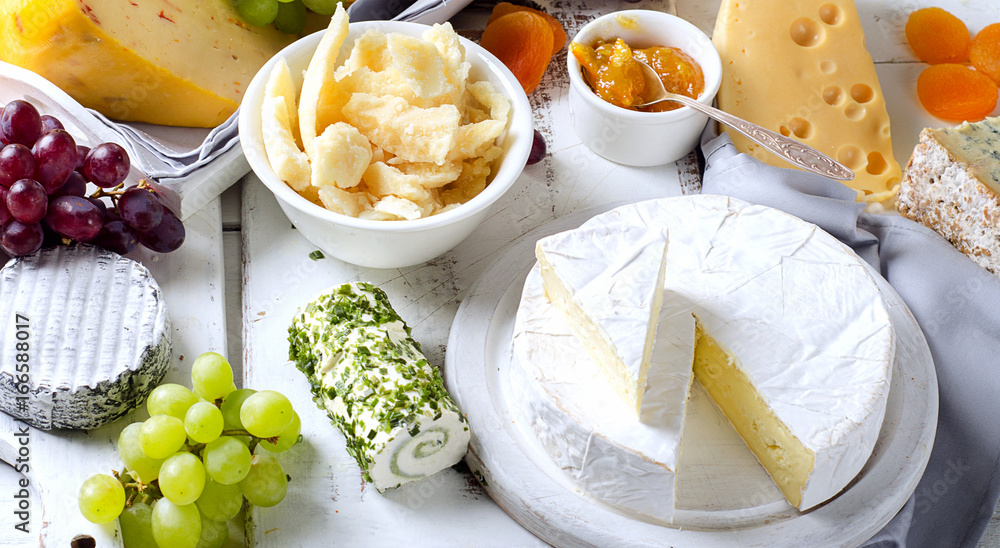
pixel 611 300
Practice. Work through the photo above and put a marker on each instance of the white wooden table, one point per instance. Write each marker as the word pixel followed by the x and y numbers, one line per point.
pixel 244 270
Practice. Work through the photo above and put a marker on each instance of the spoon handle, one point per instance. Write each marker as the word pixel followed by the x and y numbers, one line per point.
pixel 791 150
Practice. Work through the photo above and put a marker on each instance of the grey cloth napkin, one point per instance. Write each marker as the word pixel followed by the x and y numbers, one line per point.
pixel 956 303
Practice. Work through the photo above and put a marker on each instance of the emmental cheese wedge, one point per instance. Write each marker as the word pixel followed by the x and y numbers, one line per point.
pixel 610 298
pixel 800 68
pixel 178 63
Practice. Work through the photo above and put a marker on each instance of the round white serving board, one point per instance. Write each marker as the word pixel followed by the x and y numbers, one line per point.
pixel 728 498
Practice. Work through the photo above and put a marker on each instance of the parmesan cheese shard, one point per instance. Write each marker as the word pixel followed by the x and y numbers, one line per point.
pixel 400 423
pixel 340 156
pixel 392 124
pixel 952 185
pixel 430 175
pixel 489 97
pixel 289 163
pixel 344 202
pixel 370 51
pixel 412 133
pixel 319 74
pixel 611 300
pixel 456 68
pixel 383 180
pixel 393 208
pixel 824 92
pixel 420 64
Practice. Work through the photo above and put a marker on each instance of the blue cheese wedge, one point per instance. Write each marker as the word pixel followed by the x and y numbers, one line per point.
pixel 952 185
pixel 370 376
pixel 85 337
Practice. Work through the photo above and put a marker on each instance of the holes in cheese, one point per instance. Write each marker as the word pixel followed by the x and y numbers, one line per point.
pixel 862 93
pixel 807 32
pixel 827 66
pixel 831 14
pixel 801 127
pixel 851 156
pixel 854 112
pixel 876 164
pixel 833 96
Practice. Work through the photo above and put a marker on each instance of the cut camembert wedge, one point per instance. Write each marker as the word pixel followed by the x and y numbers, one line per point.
pixel 611 300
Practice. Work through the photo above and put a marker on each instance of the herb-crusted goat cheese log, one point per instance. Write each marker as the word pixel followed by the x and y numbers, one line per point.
pixel 371 377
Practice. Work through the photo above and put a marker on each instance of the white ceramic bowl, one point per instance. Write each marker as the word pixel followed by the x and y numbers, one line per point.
pixel 388 244
pixel 641 138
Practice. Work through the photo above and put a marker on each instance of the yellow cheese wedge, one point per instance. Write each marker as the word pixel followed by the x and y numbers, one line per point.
pixel 800 67
pixel 178 63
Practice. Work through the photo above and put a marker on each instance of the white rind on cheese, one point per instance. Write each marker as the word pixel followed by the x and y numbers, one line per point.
pixel 797 308
pixel 372 379
pixel 98 336
pixel 607 281
pixel 951 185
pixel 603 447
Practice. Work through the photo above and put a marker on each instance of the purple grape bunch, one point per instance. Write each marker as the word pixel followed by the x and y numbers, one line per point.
pixel 43 191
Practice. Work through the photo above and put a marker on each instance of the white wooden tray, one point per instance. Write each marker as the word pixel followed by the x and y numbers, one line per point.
pixel 58 461
pixel 516 472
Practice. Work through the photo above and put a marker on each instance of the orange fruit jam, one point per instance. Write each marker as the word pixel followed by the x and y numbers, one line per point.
pixel 611 68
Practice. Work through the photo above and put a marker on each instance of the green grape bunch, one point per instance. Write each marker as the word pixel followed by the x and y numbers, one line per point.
pixel 191 464
pixel 289 16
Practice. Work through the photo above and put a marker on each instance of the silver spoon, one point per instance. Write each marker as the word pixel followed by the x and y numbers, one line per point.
pixel 790 150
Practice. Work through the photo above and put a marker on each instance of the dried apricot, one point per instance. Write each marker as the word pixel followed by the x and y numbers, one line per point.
pixel 937 36
pixel 521 40
pixel 558 34
pixel 984 52
pixel 956 92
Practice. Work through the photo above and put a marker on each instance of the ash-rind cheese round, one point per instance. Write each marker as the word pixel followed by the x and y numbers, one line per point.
pixel 89 329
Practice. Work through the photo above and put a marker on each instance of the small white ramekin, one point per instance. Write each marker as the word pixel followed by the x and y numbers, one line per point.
pixel 389 244
pixel 642 138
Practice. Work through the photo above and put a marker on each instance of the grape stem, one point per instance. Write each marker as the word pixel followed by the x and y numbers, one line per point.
pixel 254 440
pixel 116 192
